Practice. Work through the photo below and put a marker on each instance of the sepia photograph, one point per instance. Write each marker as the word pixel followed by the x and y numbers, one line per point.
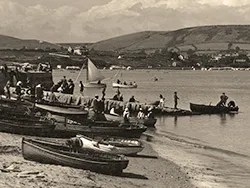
pixel 124 94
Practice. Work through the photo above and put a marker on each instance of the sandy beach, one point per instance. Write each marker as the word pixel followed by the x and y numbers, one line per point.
pixel 145 170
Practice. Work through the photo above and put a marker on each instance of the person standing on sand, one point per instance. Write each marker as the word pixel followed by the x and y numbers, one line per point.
pixel 176 98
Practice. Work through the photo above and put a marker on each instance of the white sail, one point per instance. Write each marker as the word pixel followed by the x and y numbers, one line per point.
pixel 93 73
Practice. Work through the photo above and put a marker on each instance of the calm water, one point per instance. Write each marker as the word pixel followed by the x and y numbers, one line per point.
pixel 215 149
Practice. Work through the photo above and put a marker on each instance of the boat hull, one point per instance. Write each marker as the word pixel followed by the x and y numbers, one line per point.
pixel 26 127
pixel 128 131
pixel 210 109
pixel 116 85
pixel 127 147
pixel 51 153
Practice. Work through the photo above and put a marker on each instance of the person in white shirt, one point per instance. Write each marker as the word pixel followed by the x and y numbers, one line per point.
pixel 140 114
pixel 162 102
pixel 126 115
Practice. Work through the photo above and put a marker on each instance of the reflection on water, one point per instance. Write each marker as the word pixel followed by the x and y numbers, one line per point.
pixel 175 121
pixel 226 117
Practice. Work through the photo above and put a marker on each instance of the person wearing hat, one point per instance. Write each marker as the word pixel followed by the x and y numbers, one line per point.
pixel 126 115
pixel 140 114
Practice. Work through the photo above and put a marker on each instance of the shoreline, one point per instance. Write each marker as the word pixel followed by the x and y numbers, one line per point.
pixel 147 169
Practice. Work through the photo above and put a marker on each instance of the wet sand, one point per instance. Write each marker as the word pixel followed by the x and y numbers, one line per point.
pixel 145 170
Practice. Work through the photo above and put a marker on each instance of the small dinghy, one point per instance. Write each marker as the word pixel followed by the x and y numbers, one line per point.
pixel 112 145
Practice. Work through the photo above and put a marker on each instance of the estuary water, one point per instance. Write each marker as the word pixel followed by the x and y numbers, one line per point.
pixel 213 149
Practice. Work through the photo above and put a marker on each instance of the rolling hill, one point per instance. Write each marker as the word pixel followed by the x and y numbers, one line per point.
pixel 203 38
pixel 7 42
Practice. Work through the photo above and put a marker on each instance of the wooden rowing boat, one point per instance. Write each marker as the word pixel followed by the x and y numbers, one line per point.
pixel 18 123
pixel 54 153
pixel 112 145
pixel 211 109
pixel 58 110
pixel 123 130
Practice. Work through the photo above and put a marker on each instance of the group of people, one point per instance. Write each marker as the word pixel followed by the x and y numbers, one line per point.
pixel 98 106
pixel 125 83
pixel 64 86
pixel 35 91
pixel 223 101
pixel 162 101
pixel 140 115
pixel 118 96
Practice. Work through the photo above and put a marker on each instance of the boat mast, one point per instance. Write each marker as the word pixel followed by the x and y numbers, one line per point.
pixel 87 72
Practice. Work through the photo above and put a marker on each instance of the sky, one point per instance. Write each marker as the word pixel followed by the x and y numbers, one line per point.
pixel 95 20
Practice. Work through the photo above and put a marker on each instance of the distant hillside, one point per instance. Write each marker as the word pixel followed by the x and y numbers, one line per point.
pixel 204 38
pixel 7 42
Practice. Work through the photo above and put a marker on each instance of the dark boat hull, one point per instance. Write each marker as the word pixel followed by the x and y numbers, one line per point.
pixel 51 153
pixel 71 130
pixel 210 109
pixel 26 127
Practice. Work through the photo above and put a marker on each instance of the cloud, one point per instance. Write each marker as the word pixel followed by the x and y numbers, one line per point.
pixel 73 24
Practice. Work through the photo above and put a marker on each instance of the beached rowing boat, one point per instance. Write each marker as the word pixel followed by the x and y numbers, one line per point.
pixel 21 123
pixel 211 109
pixel 59 110
pixel 112 145
pixel 123 130
pixel 54 153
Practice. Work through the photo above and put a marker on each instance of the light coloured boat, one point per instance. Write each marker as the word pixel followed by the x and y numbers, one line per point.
pixel 128 86
pixel 112 145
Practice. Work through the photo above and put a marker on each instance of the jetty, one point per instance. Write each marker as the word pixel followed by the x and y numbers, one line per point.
pixel 119 106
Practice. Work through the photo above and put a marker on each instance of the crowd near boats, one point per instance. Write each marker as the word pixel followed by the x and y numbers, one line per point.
pixel 97 132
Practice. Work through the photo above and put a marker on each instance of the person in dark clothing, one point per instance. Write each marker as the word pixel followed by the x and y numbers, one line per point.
pixel 71 86
pixel 39 93
pixel 19 90
pixel 176 98
pixel 132 99
pixel 223 100
pixel 81 86
pixel 95 103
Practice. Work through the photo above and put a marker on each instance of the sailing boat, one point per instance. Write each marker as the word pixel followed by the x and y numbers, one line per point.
pixel 94 76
